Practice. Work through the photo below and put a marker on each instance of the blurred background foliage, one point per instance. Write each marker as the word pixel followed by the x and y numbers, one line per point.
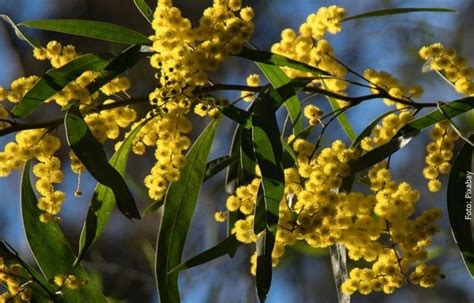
pixel 122 258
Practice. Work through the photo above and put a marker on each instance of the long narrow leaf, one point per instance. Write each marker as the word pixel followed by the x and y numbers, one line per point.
pixel 42 291
pixel 269 153
pixel 279 60
pixel 277 77
pixel 342 118
pixel 217 165
pixel 19 33
pixel 241 172
pixel 144 9
pixel 411 130
pixel 265 244
pixel 91 29
pixel 103 200
pixel 348 181
pixel 180 202
pixel 92 155
pixel 400 10
pixel 55 80
pixel 460 193
pixel 227 246
pixel 51 249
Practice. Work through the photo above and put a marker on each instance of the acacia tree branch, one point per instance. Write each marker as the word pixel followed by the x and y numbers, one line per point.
pixel 218 87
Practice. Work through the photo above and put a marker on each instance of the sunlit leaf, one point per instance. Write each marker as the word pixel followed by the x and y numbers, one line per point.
pixel 342 118
pixel 400 10
pixel 144 9
pixel 19 33
pixel 277 77
pixel 227 246
pixel 103 200
pixel 217 165
pixel 55 80
pixel 268 152
pixel 91 29
pixel 180 202
pixel 279 60
pixel 411 130
pixel 41 289
pixel 51 249
pixel 92 155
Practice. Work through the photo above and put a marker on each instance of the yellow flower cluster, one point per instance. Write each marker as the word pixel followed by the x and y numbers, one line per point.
pixel 38 144
pixel 76 165
pixel 451 65
pixel 166 133
pixel 77 91
pixel 55 53
pixel 388 127
pixel 183 56
pixel 4 114
pixel 313 114
pixel 106 124
pixel 307 211
pixel 393 86
pixel 425 275
pixel 308 46
pixel 49 172
pixel 398 243
pixel 117 85
pixel 377 227
pixel 439 153
pixel 210 107
pixel 69 281
pixel 253 80
pixel 18 88
pixel 16 289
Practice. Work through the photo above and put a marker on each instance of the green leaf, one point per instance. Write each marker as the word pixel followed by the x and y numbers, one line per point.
pixel 411 130
pixel 265 244
pixel 348 181
pixel 180 202
pixel 51 249
pixel 103 200
pixel 117 65
pixel 241 172
pixel 55 80
pixel 368 130
pixel 260 214
pixel 279 60
pixel 144 9
pixel 460 203
pixel 233 217
pixel 227 246
pixel 269 154
pixel 233 173
pixel 289 155
pixel 19 33
pixel 91 29
pixel 92 155
pixel 277 77
pixel 401 10
pixel 217 165
pixel 42 291
pixel 279 96
pixel 342 118
pixel 238 115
